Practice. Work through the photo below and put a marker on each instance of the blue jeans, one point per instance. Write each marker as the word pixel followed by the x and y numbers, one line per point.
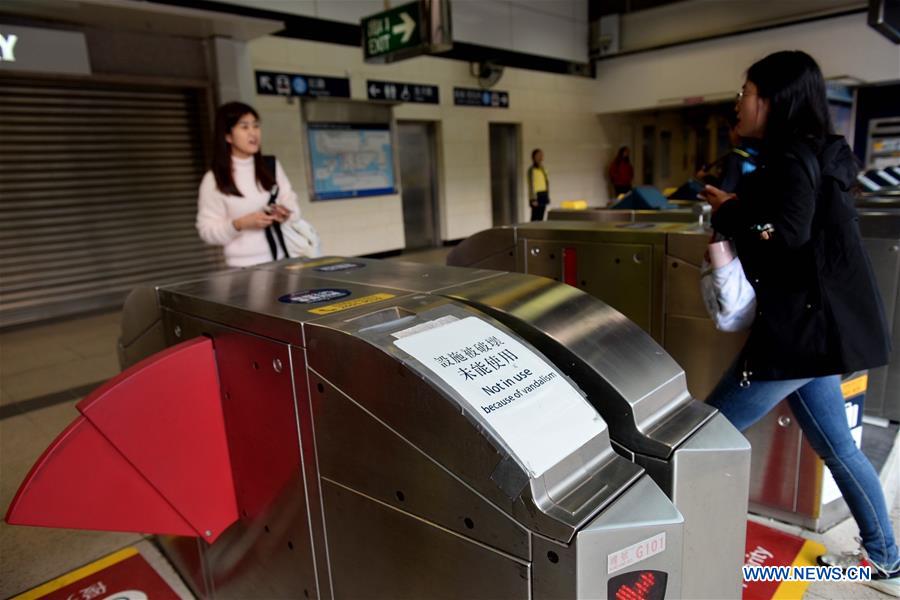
pixel 818 406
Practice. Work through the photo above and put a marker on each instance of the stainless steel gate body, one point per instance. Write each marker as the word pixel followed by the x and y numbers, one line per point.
pixel 879 220
pixel 694 454
pixel 360 472
pixel 647 271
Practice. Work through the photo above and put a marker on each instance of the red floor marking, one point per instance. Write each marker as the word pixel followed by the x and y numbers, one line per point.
pixel 767 547
pixel 128 578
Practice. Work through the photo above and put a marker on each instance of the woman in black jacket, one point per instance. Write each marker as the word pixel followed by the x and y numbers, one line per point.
pixel 818 310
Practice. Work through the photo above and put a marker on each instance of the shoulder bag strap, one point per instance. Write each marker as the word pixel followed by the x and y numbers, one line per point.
pixel 273 231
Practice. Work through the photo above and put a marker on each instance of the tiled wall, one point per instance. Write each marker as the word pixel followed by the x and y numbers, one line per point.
pixel 555 112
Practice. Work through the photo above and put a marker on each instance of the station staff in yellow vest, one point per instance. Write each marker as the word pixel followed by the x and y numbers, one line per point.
pixel 538 185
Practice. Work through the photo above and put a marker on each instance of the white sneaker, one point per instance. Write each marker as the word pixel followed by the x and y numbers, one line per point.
pixel 886 584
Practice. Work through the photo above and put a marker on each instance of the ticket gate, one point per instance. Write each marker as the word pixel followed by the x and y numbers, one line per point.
pixel 691 452
pixel 349 428
pixel 650 273
pixel 879 220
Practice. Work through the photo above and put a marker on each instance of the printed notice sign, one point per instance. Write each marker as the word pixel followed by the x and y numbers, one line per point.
pixel 527 402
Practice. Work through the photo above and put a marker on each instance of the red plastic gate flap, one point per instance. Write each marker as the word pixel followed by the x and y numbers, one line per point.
pixel 149 454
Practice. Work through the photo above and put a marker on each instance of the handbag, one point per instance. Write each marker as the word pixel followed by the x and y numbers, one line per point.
pixel 301 239
pixel 297 238
pixel 728 296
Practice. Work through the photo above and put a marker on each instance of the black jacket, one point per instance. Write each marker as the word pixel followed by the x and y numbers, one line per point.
pixel 818 308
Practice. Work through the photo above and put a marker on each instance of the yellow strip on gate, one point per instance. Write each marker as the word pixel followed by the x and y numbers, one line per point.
pixel 574 204
pixel 793 590
pixel 338 307
pixel 855 386
pixel 314 263
pixel 64 580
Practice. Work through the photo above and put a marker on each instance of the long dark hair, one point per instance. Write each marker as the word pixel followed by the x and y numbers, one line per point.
pixel 798 104
pixel 620 155
pixel 227 116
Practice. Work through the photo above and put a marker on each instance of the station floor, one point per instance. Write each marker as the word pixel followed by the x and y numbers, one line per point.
pixel 46 369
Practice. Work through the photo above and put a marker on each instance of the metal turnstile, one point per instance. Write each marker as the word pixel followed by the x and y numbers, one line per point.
pixel 650 273
pixel 647 271
pixel 880 228
pixel 692 453
pixel 393 430
pixel 631 256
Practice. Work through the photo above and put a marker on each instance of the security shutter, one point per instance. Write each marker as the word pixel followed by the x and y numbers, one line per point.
pixel 98 194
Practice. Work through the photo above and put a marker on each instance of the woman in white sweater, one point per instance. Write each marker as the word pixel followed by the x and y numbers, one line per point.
pixel 233 209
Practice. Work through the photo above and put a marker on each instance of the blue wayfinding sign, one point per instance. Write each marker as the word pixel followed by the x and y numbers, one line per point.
pixel 398 91
pixel 479 97
pixel 269 83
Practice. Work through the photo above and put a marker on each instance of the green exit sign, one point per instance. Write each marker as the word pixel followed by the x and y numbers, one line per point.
pixel 409 30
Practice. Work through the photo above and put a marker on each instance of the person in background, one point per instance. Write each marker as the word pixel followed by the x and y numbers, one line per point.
pixel 233 208
pixel 740 160
pixel 538 185
pixel 621 173
pixel 819 313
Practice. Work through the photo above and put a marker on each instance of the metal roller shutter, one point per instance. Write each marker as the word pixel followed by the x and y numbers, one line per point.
pixel 98 194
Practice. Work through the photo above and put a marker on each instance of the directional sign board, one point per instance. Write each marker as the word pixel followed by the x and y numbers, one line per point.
pixel 269 83
pixel 479 97
pixel 397 91
pixel 393 30
pixel 408 30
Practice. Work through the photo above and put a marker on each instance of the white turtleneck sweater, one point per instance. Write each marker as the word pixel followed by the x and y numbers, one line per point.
pixel 216 212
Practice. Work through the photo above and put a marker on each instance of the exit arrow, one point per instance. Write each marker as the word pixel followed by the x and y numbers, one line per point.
pixel 406 27
pixel 374 91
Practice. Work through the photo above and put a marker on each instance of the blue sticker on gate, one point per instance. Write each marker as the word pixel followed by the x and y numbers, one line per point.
pixel 315 296
pixel 344 266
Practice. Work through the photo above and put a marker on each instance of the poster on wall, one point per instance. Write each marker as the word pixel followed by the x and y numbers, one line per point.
pixel 350 160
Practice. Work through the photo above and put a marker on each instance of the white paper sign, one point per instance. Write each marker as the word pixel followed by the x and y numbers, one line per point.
pixel 537 413
pixel 635 553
